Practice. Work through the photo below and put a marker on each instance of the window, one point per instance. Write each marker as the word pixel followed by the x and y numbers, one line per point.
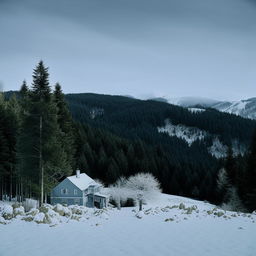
pixel 75 191
pixel 91 190
pixel 64 191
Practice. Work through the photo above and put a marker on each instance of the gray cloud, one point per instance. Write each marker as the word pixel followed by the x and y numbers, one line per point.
pixel 136 47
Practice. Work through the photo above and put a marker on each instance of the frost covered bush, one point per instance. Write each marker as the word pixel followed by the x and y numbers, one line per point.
pixel 28 218
pixel 143 187
pixel 76 217
pixel 18 211
pixel 52 217
pixel 119 193
pixel 40 218
pixel 182 206
pixel 16 205
pixel 7 212
pixel 140 215
pixel 2 220
pixel 32 212
pixel 79 210
pixel 45 208
pixel 60 209
pixel 219 214
pixel 140 188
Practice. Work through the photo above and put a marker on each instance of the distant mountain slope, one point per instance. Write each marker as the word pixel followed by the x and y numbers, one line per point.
pixel 244 108
pixel 133 119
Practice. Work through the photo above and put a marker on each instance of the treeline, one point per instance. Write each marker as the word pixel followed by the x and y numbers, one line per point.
pixel 108 157
pixel 37 139
pixel 236 182
pixel 132 118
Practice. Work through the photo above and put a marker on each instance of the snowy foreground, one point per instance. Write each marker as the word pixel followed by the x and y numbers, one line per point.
pixel 173 226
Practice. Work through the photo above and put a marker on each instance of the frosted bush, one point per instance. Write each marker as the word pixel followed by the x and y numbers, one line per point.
pixel 182 206
pixel 59 209
pixel 140 215
pixel 67 212
pixel 219 214
pixel 75 209
pixel 76 217
pixel 18 211
pixel 7 212
pixel 189 210
pixel 16 205
pixel 169 219
pixel 28 218
pixel 40 218
pixel 2 220
pixel 33 212
pixel 45 208
pixel 52 217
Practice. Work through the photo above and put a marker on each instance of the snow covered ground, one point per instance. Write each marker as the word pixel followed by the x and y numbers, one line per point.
pixel 171 226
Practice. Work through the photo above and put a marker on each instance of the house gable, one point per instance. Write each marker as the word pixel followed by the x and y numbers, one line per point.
pixel 72 190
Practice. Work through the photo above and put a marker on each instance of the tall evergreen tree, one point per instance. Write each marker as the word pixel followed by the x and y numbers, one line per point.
pixel 44 160
pixel 64 120
pixel 231 167
pixel 249 178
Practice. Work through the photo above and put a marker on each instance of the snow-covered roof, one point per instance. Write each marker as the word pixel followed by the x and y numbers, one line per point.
pixel 83 182
pixel 101 195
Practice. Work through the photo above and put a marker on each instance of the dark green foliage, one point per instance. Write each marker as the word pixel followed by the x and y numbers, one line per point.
pixel 47 128
pixel 8 140
pixel 231 167
pixel 181 169
pixel 65 124
pixel 248 187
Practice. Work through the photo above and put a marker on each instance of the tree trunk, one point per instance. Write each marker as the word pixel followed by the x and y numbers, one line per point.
pixel 41 163
pixel 10 194
pixel 119 204
pixel 140 205
pixel 45 198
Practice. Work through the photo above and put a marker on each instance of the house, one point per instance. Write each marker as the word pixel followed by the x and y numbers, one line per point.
pixel 79 189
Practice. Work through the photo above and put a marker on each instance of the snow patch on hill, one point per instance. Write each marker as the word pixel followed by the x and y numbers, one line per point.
pixel 218 149
pixel 196 110
pixel 188 134
pixel 192 134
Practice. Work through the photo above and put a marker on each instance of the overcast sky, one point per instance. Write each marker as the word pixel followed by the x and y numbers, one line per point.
pixel 168 48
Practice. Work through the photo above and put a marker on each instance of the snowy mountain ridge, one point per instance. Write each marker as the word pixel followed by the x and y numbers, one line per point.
pixel 244 108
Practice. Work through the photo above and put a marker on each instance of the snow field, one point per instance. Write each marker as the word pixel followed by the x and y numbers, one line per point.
pixel 171 226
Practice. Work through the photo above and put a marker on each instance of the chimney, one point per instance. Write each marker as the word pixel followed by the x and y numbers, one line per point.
pixel 78 173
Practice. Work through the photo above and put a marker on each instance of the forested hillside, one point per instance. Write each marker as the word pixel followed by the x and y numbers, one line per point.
pixel 182 169
pixel 45 135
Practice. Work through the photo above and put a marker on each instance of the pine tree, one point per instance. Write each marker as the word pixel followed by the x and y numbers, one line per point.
pixel 24 89
pixel 249 179
pixel 44 158
pixel 230 167
pixel 64 120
